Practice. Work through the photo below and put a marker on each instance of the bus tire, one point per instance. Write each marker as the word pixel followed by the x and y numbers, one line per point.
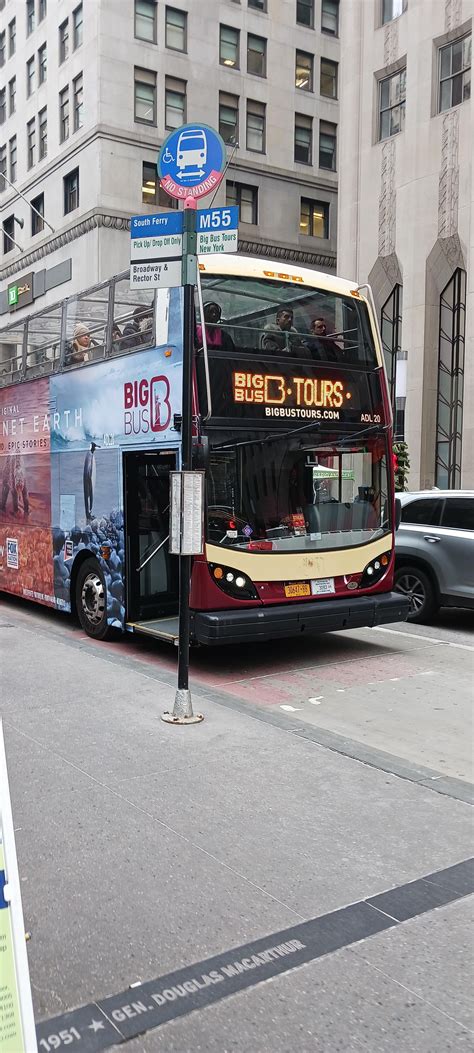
pixel 91 600
pixel 415 583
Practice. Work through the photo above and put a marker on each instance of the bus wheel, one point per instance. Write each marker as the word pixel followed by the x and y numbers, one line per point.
pixel 91 599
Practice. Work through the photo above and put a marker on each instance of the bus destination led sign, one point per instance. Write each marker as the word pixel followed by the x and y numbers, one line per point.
pixel 292 396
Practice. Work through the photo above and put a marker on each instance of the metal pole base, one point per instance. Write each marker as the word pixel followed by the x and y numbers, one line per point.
pixel 182 710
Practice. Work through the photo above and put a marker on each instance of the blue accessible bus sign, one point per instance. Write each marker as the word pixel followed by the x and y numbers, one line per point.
pixel 191 161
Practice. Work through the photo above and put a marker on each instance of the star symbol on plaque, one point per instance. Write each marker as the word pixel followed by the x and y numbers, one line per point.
pixel 96 1025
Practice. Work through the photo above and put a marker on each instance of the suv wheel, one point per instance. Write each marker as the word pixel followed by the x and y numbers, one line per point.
pixel 414 583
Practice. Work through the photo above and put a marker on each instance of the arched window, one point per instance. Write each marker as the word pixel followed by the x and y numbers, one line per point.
pixel 391 329
pixel 452 320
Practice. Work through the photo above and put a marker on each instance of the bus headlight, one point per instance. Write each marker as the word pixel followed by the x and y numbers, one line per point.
pixel 375 570
pixel 233 582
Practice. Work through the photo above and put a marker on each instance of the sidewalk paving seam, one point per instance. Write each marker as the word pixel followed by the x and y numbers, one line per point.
pixel 192 988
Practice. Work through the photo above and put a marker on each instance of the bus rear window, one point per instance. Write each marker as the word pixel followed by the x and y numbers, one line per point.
pixel 275 317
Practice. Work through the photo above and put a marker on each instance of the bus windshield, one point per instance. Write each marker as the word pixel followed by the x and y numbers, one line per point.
pixel 280 317
pixel 293 495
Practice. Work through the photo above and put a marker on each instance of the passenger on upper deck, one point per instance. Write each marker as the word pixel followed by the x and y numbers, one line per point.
pixel 322 346
pixel 216 336
pixel 79 350
pixel 281 335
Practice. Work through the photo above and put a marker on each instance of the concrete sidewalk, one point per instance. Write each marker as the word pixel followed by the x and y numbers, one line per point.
pixel 146 850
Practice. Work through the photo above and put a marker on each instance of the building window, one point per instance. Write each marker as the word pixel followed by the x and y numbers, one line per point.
pixel 12 38
pixel 42 64
pixel 30 77
pixel 314 218
pixel 330 17
pixel 304 71
pixel 78 92
pixel 63 114
pixel 175 102
pixel 229 47
pixel 11 96
pixel 2 49
pixel 3 167
pixel 455 73
pixel 152 192
pixel 37 221
pixel 391 333
pixel 42 8
pixel 43 133
pixel 8 234
pixel 77 27
pixel 31 142
pixel 259 5
pixel 256 126
pixel 305 13
pixel 71 191
pixel 327 145
pixel 392 104
pixel 13 159
pixel 452 321
pixel 246 199
pixel 145 96
pixel 328 79
pixel 176 29
pixel 392 9
pixel 303 138
pixel 30 16
pixel 229 117
pixel 63 41
pixel 256 55
pixel 3 105
pixel 145 20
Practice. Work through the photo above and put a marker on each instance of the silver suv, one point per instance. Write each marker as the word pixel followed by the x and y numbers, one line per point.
pixel 434 551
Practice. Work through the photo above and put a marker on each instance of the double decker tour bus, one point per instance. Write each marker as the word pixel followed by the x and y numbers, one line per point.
pixel 292 426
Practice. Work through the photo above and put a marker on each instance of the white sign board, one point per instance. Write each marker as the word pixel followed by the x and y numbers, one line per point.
pixel 156 248
pixel 17 1025
pixel 217 230
pixel 186 513
pixel 165 274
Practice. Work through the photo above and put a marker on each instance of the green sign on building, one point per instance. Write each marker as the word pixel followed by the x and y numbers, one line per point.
pixel 12 295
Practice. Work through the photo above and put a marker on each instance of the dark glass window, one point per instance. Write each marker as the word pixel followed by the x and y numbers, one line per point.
pixel 303 138
pixel 8 234
pixel 246 199
pixel 37 222
pixel 392 104
pixel 391 332
pixel 63 41
pixel 304 71
pixel 152 192
pixel 455 73
pixel 330 17
pixel 145 20
pixel 256 55
pixel 425 512
pixel 327 145
pixel 452 322
pixel 459 513
pixel 229 47
pixel 71 191
pixel 77 27
pixel 175 29
pixel 229 117
pixel 305 13
pixel 314 218
pixel 392 9
pixel 328 79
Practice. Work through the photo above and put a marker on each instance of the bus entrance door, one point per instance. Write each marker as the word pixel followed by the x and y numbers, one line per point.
pixel 152 574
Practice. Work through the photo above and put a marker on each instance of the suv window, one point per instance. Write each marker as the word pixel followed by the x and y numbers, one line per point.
pixel 459 513
pixel 425 512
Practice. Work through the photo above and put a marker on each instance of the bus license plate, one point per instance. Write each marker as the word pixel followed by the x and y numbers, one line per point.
pixel 300 588
pixel 322 586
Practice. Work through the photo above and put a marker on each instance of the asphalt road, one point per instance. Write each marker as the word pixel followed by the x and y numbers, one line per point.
pixel 401 690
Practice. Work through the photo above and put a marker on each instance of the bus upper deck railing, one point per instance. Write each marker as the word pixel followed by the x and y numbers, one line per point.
pixel 106 320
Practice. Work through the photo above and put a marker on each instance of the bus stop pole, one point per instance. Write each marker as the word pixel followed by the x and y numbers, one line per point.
pixel 183 709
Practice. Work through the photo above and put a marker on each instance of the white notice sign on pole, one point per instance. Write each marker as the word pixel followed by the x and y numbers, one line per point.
pixel 186 513
pixel 165 275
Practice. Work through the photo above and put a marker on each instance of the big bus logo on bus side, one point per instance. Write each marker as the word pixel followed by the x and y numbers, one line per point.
pixel 146 405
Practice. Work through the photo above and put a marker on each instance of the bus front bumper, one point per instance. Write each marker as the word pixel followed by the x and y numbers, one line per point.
pixel 321 616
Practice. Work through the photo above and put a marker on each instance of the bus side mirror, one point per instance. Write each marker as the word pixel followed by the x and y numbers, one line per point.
pixel 398 512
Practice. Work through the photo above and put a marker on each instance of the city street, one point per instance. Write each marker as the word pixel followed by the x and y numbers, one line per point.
pixel 297 835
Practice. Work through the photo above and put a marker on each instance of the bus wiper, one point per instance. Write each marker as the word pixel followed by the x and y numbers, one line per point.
pixel 267 438
pixel 294 431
